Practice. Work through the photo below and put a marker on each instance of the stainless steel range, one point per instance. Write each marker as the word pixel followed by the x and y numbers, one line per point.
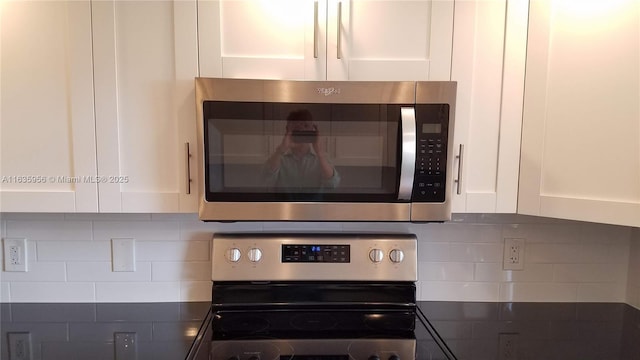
pixel 315 296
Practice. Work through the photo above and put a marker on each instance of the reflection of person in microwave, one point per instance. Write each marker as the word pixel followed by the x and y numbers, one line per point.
pixel 299 163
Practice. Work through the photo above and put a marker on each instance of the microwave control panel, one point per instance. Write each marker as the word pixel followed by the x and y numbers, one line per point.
pixel 432 129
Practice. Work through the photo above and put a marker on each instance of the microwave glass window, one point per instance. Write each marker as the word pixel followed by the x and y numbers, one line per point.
pixel 301 152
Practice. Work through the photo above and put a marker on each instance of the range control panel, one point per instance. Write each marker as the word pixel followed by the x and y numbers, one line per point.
pixel 432 131
pixel 315 253
pixel 310 257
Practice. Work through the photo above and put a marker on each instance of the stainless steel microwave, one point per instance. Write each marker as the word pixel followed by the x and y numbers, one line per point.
pixel 276 150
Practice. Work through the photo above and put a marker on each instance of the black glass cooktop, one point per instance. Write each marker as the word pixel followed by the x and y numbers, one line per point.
pixel 327 334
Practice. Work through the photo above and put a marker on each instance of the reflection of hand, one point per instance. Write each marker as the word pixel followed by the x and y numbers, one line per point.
pixel 317 144
pixel 285 145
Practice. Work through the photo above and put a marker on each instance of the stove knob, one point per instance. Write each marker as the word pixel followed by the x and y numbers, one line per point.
pixel 394 357
pixel 374 357
pixel 233 254
pixel 376 255
pixel 254 254
pixel 396 255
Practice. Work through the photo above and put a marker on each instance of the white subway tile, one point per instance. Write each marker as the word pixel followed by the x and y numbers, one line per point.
pixel 633 296
pixel 50 230
pixel 459 291
pixel 439 271
pixel 43 292
pixel 172 250
pixel 475 233
pixel 199 230
pixel 590 273
pixel 476 252
pixel 38 271
pixel 74 251
pixel 539 292
pixel 195 291
pixel 531 273
pixel 175 217
pixel 552 253
pixel 5 293
pixel 605 234
pixel 429 251
pixel 32 216
pixel 138 292
pixel 103 271
pixel 558 233
pixel 606 254
pixel 601 292
pixel 396 227
pixel 139 230
pixel 302 226
pixel 181 271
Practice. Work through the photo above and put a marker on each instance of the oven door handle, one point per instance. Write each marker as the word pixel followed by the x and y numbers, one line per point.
pixel 408 162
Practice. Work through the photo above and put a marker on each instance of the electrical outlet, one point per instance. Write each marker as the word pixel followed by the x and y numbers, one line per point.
pixel 19 346
pixel 126 346
pixel 508 346
pixel 15 254
pixel 513 254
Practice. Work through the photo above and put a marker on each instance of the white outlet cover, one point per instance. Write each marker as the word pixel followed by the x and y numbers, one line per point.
pixel 123 254
pixel 508 262
pixel 15 254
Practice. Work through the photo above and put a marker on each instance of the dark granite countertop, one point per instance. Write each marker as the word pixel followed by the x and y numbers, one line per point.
pixel 474 331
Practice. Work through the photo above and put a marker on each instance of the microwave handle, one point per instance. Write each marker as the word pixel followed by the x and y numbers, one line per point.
pixel 408 160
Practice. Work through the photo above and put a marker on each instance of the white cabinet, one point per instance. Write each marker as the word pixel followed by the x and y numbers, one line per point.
pixel 489 49
pixel 145 61
pixel 47 124
pixel 125 151
pixel 581 130
pixel 326 39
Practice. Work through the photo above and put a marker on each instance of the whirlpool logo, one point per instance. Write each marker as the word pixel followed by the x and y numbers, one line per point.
pixel 328 91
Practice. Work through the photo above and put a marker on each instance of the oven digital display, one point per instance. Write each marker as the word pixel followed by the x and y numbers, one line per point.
pixel 316 253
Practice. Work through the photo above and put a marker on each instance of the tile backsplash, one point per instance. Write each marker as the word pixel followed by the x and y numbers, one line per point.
pixel 633 289
pixel 69 258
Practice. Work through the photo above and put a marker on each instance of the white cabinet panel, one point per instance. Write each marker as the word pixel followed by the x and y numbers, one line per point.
pixel 326 39
pixel 389 40
pixel 47 126
pixel 489 50
pixel 145 62
pixel 262 39
pixel 581 131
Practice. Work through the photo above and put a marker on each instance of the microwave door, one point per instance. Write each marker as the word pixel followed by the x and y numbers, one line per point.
pixel 408 151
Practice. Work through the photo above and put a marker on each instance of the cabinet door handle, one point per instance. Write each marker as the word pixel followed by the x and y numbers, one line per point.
pixel 187 155
pixel 339 32
pixel 458 181
pixel 315 29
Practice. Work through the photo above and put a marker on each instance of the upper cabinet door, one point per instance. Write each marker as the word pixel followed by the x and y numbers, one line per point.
pixel 581 131
pixel 326 39
pixel 489 50
pixel 389 40
pixel 145 58
pixel 262 39
pixel 48 137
